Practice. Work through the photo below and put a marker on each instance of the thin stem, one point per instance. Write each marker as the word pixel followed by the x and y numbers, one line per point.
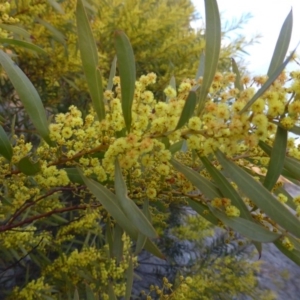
pixel 50 213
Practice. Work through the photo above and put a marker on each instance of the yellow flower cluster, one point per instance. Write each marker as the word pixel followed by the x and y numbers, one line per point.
pixel 91 260
pixel 282 198
pixel 225 203
pixel 61 72
pixel 81 140
pixel 226 275
pixel 144 154
pixel 296 200
pixel 35 289
pixel 287 243
pixel 25 238
pixel 21 149
pixel 52 177
pixel 194 228
pixel 87 221
pixel 5 18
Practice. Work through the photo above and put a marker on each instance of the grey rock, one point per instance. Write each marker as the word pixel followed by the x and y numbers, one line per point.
pixel 278 273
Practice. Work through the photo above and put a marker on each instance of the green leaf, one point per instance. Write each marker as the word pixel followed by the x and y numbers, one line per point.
pixel 229 192
pixel 226 188
pixel 172 83
pixel 118 243
pixel 109 202
pixel 140 243
pixel 56 6
pixel 259 195
pixel 146 210
pixel 152 248
pixel 141 240
pixel 48 298
pixel 290 176
pixel 89 293
pixel 290 202
pixel 112 74
pixel 247 228
pixel 121 133
pixel 188 109
pixel 277 158
pixel 184 147
pixel 165 141
pixel 268 83
pixel 111 292
pixel 23 44
pixel 76 295
pixel 75 176
pixel 129 281
pixel 71 83
pixel 59 220
pixel 212 49
pixel 294 254
pixel 258 247
pixel 203 211
pixel 291 164
pixel 200 182
pixel 176 147
pixel 282 44
pixel 130 209
pixel 200 70
pixel 28 167
pixel 109 238
pixel 89 57
pixel 90 7
pixel 6 149
pixel 19 31
pixel 28 96
pixel 56 34
pixel 294 129
pixel 294 241
pixel 126 67
pixel 237 83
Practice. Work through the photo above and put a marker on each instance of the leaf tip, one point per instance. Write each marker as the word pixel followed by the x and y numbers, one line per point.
pixel 118 32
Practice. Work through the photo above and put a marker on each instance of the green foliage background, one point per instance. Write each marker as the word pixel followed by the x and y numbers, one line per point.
pixel 159 31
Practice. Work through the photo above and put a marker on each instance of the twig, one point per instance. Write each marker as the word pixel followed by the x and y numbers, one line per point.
pixel 28 204
pixel 19 260
pixel 52 212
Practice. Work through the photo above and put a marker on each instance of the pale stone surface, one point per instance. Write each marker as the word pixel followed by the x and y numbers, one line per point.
pixel 278 273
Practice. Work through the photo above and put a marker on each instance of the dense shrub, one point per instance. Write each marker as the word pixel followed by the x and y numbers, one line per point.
pixel 159 31
pixel 83 192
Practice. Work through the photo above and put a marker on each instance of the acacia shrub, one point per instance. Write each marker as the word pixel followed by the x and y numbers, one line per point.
pixel 140 152
pixel 159 31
